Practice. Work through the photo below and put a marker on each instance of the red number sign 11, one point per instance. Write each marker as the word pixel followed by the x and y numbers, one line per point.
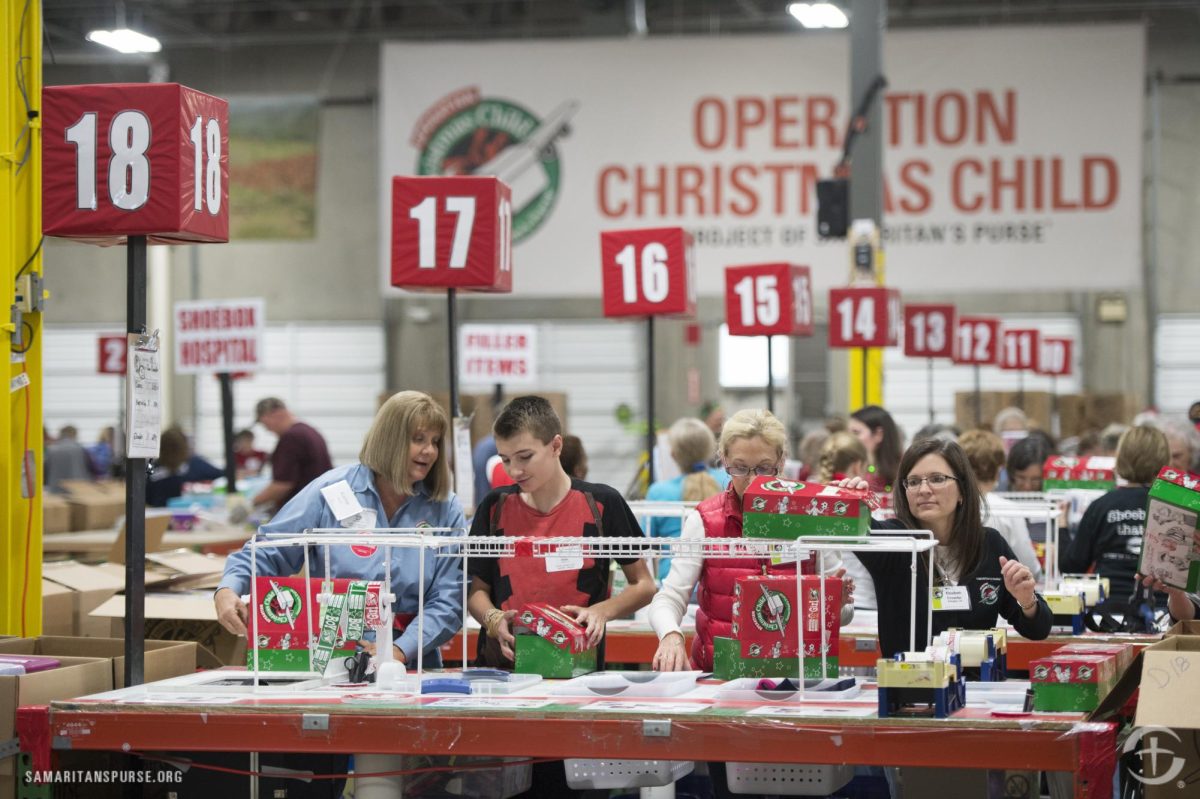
pixel 929 331
pixel 768 300
pixel 977 341
pixel 1019 349
pixel 648 272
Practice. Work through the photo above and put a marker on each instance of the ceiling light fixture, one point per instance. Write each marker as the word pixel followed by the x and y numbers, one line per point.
pixel 124 40
pixel 818 15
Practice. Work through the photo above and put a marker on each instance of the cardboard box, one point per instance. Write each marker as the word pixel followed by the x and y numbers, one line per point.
pixel 551 643
pixel 58 609
pixel 56 514
pixel 94 505
pixel 1171 542
pixel 776 508
pixel 156 529
pixel 180 616
pixel 183 568
pixel 1101 410
pixel 76 676
pixel 1184 628
pixel 1094 473
pixel 1072 416
pixel 479 408
pixel 163 659
pixel 1072 682
pixel 89 587
pixel 764 616
pixel 967 417
pixel 1168 695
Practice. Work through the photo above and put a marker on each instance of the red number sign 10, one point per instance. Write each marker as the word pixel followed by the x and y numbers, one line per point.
pixel 929 331
pixel 864 317
pixel 649 272
pixel 977 341
pixel 452 232
pixel 112 355
pixel 1019 349
pixel 768 300
pixel 123 159
pixel 1054 357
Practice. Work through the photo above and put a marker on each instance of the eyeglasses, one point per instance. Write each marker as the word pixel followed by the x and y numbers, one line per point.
pixel 935 481
pixel 761 471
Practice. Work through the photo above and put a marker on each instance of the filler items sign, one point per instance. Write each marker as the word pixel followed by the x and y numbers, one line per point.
pixel 219 336
pixel 490 354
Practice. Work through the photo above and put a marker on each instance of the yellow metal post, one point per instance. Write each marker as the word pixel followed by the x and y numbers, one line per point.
pixel 20 258
pixel 866 268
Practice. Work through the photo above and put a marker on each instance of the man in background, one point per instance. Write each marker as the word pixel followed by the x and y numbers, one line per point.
pixel 66 459
pixel 300 457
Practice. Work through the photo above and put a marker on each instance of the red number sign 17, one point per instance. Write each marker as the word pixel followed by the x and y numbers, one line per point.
pixel 768 300
pixel 977 341
pixel 649 272
pixel 863 317
pixel 1019 349
pixel 452 232
pixel 1054 357
pixel 929 331
pixel 112 355
pixel 123 159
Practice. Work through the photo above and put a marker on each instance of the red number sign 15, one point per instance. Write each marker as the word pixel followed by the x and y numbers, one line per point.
pixel 768 300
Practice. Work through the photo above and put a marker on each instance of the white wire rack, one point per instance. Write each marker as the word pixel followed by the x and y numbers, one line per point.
pixel 456 545
pixel 1041 510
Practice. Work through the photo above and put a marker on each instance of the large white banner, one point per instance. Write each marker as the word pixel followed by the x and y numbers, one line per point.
pixel 1013 155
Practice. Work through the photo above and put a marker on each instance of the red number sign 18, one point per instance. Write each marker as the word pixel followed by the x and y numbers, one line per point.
pixel 1019 349
pixel 929 331
pixel 452 232
pixel 648 272
pixel 864 317
pixel 113 351
pixel 127 159
pixel 1054 357
pixel 977 341
pixel 768 300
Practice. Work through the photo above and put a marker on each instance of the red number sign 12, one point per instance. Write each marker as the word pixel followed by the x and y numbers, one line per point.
pixel 929 331
pixel 768 300
pixel 123 159
pixel 648 272
pixel 1054 357
pixel 863 317
pixel 112 355
pixel 977 341
pixel 1019 349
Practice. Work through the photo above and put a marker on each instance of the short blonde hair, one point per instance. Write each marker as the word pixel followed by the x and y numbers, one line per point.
pixel 754 423
pixel 1141 453
pixel 985 453
pixel 386 447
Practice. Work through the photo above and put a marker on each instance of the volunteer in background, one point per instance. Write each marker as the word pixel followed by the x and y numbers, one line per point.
pixel 1184 443
pixel 1109 536
pixel 176 465
pixel 692 448
pixel 574 457
pixel 1025 462
pixel 250 461
pixel 985 453
pixel 877 431
pixel 845 456
pixel 1181 605
pixel 402 479
pixel 936 491
pixel 66 459
pixel 752 443
pixel 300 457
pixel 545 501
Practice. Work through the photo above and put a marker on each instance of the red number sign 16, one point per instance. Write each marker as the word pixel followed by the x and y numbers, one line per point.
pixel 977 340
pixel 648 272
pixel 1019 349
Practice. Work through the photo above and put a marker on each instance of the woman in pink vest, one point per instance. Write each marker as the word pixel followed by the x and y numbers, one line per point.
pixel 752 443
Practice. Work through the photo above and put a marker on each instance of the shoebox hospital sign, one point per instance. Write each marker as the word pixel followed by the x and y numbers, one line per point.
pixel 214 336
pixel 984 185
pixel 491 354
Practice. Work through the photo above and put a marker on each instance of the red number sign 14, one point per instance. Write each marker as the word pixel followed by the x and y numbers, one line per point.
pixel 864 317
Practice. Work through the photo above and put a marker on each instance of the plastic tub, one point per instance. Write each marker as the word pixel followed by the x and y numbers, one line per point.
pixel 745 689
pixel 786 779
pixel 587 775
pixel 630 684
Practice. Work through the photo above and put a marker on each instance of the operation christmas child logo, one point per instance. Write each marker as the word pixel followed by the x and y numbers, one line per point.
pixel 281 605
pixel 772 611
pixel 465 133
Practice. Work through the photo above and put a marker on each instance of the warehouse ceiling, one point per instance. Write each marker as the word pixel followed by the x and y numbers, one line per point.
pixel 186 24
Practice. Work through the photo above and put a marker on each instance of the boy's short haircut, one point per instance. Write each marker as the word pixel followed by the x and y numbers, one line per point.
pixel 529 414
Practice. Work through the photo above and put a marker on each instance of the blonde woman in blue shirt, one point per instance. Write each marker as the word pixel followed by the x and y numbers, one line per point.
pixel 402 479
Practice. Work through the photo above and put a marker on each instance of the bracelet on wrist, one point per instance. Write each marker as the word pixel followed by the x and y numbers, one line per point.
pixel 1032 604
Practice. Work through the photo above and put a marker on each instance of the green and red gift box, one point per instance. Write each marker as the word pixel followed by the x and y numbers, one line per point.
pixel 1092 472
pixel 776 508
pixel 1067 682
pixel 551 643
pixel 282 605
pixel 1171 542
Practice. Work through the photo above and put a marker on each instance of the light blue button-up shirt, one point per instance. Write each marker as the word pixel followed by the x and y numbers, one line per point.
pixel 308 510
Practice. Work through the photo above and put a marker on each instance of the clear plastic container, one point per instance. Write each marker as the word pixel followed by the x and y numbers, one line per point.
pixel 787 779
pixel 499 782
pixel 586 775
pixel 746 689
pixel 629 684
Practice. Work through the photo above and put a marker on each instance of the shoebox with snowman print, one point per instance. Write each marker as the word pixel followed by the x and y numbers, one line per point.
pixel 1093 472
pixel 339 611
pixel 776 508
pixel 551 643
pixel 1171 543
pixel 1072 682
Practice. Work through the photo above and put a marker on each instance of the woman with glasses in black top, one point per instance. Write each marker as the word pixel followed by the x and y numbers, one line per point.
pixel 980 577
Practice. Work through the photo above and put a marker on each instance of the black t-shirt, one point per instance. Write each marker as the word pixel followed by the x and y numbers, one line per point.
pixel 892 575
pixel 1109 537
pixel 514 582
pixel 299 458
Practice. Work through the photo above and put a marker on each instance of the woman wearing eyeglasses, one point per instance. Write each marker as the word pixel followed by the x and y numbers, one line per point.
pixel 976 571
pixel 752 443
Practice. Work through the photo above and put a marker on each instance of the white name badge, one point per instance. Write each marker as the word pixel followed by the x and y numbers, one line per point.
pixel 363 520
pixel 341 500
pixel 565 559
pixel 951 597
